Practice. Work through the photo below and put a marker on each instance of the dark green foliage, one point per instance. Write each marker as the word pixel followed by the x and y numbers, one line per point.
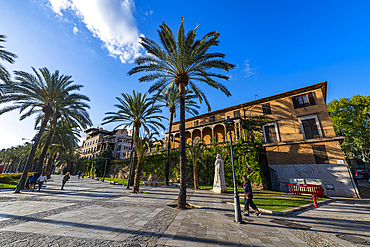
pixel 246 158
pixel 5 56
pixel 98 167
pixel 351 117
pixel 65 170
pixel 87 164
pixel 107 153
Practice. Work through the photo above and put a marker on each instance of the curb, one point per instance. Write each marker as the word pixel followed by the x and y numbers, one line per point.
pixel 289 211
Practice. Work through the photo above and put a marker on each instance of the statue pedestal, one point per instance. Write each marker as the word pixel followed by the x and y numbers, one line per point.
pixel 219 190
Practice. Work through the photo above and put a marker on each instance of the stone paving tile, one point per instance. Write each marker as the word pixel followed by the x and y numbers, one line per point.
pixel 90 213
pixel 21 208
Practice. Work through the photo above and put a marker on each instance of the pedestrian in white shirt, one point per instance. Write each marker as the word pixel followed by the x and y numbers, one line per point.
pixel 41 180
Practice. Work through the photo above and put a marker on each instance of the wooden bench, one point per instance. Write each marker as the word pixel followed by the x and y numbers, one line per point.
pixel 150 183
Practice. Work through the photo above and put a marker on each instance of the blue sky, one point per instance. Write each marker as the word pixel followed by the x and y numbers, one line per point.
pixel 277 46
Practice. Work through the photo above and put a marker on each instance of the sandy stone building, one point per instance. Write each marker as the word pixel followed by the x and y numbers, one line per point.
pixel 98 139
pixel 299 138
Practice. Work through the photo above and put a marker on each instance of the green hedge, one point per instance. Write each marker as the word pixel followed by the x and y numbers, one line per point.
pixel 6 177
pixel 246 161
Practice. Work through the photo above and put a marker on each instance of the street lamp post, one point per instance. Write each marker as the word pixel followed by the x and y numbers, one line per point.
pixel 238 215
pixel 105 168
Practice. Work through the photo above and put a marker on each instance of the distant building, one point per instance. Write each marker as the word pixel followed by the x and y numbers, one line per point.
pixel 300 142
pixel 98 139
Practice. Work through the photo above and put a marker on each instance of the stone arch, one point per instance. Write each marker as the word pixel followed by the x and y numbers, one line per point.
pixel 207 135
pixel 219 132
pixel 197 134
pixel 187 136
pixel 176 141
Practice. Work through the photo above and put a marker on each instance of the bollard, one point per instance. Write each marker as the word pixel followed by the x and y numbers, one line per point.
pixel 314 197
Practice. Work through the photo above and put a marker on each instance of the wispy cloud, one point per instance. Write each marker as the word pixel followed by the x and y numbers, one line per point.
pixel 75 30
pixel 110 21
pixel 248 70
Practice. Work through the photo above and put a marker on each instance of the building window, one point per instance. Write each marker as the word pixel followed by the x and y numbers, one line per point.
pixel 196 123
pixel 237 113
pixel 310 127
pixel 266 108
pixel 212 119
pixel 304 100
pixel 117 155
pixel 119 148
pixel 271 133
pixel 321 156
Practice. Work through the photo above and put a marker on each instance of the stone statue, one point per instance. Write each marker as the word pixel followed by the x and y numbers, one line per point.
pixel 219 185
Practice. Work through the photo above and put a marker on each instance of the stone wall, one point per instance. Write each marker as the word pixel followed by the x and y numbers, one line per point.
pixel 302 153
pixel 336 176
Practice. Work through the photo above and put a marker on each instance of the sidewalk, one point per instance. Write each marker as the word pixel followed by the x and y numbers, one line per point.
pixel 92 213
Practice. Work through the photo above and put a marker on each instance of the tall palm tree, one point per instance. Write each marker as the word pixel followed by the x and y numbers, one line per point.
pixel 195 152
pixel 142 146
pixel 184 62
pixel 170 98
pixel 68 157
pixel 62 136
pixel 36 94
pixel 5 56
pixel 135 110
pixel 72 110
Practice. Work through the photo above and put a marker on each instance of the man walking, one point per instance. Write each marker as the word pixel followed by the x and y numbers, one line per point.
pixel 42 179
pixel 248 198
pixel 33 180
pixel 65 179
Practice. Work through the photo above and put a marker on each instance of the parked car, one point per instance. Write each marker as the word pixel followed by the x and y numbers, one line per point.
pixel 365 175
pixel 358 176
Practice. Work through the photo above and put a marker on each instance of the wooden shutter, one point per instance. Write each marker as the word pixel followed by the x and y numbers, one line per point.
pixel 312 98
pixel 321 156
pixel 266 108
pixel 295 102
pixel 270 133
pixel 310 128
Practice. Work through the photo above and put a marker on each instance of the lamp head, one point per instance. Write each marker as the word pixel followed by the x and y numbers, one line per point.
pixel 229 124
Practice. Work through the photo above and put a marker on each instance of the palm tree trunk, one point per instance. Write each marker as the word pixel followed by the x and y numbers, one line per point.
pixel 47 144
pixel 6 169
pixel 19 164
pixel 130 173
pixel 138 177
pixel 33 151
pixel 43 154
pixel 49 165
pixel 181 200
pixel 132 179
pixel 167 167
pixel 195 173
pixel 137 128
pixel 9 169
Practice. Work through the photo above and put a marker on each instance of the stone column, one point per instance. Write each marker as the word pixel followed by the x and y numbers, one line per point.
pixel 213 134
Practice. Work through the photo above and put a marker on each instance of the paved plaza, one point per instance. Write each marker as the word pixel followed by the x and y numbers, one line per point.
pixel 93 213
